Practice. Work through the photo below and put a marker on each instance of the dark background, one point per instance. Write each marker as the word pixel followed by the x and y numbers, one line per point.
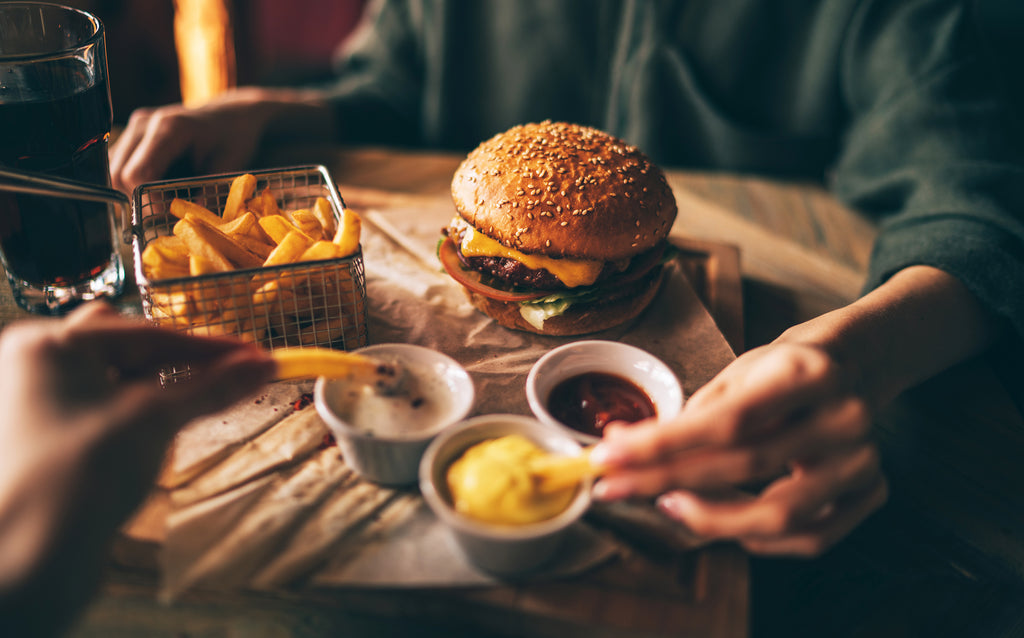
pixel 276 42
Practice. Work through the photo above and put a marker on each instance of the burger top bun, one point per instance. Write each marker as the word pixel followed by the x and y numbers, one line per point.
pixel 564 190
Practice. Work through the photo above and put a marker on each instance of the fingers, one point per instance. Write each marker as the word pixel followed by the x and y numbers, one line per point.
pixel 152 141
pixel 219 136
pixel 226 380
pixel 138 349
pixel 750 399
pixel 804 513
pixel 123 147
pixel 834 427
pixel 816 538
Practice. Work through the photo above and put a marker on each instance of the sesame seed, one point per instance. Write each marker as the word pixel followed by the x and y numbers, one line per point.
pixel 563 223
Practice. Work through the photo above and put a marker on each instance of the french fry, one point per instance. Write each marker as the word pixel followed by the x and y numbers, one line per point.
pixel 157 269
pixel 174 307
pixel 239 225
pixel 289 249
pixel 268 204
pixel 215 327
pixel 241 257
pixel 198 245
pixel 260 235
pixel 255 246
pixel 205 296
pixel 182 207
pixel 325 214
pixel 308 223
pixel 305 363
pixel 267 294
pixel 255 206
pixel 242 188
pixel 294 298
pixel 165 257
pixel 347 235
pixel 276 226
pixel 198 266
pixel 170 247
pixel 321 250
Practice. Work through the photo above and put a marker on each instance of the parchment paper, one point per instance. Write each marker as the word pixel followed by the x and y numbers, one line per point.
pixel 402 543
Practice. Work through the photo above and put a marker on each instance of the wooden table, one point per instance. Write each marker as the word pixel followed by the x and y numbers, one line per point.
pixel 951 448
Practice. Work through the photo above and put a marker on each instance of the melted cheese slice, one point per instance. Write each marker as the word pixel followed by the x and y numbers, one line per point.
pixel 571 272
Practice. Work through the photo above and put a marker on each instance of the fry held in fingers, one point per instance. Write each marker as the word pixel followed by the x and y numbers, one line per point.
pixel 555 472
pixel 305 363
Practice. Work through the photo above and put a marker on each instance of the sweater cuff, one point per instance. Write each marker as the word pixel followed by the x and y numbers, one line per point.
pixel 987 259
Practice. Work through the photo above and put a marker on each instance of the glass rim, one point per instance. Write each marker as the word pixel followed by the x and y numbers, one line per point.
pixel 95 37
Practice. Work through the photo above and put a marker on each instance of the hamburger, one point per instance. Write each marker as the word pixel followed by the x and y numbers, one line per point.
pixel 560 229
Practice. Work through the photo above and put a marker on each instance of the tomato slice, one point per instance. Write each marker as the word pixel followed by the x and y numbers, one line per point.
pixel 473 280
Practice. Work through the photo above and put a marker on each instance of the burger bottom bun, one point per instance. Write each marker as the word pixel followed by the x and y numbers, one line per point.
pixel 611 311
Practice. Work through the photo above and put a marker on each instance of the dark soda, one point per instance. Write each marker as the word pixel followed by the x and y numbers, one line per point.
pixel 48 241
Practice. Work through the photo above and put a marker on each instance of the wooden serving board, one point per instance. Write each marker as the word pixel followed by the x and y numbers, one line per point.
pixel 652 590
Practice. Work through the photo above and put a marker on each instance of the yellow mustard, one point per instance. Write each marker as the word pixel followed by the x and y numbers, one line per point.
pixel 492 482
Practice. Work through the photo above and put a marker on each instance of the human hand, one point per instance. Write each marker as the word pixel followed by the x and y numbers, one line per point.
pixel 781 416
pixel 83 431
pixel 217 137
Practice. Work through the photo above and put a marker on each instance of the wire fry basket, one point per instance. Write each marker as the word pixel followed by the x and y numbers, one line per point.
pixel 303 304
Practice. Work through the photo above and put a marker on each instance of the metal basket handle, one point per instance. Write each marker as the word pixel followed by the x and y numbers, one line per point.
pixel 38 184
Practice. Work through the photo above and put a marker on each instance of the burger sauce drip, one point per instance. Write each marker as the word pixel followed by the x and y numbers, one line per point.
pixel 588 402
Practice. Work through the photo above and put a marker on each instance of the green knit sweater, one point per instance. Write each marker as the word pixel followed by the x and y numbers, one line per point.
pixel 893 104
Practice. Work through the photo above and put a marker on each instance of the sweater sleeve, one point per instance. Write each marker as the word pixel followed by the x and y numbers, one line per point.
pixel 376 96
pixel 935 151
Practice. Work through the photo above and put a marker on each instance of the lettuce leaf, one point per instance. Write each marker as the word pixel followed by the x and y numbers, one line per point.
pixel 537 311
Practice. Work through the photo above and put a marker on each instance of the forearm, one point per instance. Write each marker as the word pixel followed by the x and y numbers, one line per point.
pixel 918 323
pixel 294 115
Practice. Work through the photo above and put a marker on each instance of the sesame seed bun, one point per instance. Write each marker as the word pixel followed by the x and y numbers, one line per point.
pixel 564 191
pixel 587 211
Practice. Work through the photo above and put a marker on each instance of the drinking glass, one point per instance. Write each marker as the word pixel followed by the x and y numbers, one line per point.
pixel 55 119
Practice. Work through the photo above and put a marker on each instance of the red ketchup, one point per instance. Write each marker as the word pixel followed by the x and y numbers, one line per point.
pixel 588 402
